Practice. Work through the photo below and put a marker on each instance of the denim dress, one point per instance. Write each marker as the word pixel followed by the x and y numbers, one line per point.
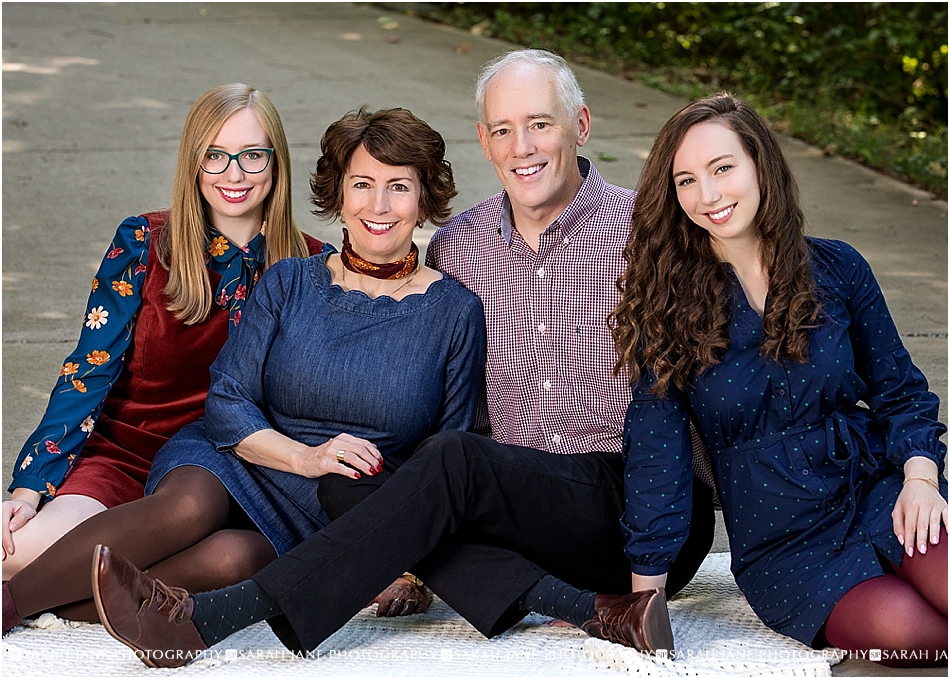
pixel 808 457
pixel 311 361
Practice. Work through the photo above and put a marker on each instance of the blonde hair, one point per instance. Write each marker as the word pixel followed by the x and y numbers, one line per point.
pixel 182 242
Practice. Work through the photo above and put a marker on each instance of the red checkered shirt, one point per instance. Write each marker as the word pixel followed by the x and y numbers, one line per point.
pixel 549 376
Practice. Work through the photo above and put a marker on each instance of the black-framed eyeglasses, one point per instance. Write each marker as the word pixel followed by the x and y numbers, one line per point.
pixel 250 161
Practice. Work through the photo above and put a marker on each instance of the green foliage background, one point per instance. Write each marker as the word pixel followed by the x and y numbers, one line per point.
pixel 867 80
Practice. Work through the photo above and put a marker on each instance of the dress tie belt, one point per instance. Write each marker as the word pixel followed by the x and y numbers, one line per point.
pixel 845 445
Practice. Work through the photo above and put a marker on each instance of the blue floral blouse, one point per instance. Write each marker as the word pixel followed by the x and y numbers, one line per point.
pixel 91 370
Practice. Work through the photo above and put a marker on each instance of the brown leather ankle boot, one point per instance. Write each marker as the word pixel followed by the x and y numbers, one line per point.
pixel 639 620
pixel 146 615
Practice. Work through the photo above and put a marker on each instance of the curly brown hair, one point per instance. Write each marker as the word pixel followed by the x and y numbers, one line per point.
pixel 673 317
pixel 393 136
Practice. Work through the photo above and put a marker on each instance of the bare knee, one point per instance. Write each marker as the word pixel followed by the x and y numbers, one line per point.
pixel 52 522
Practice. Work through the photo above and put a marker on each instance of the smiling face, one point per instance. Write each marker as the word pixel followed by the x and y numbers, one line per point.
pixel 235 196
pixel 380 207
pixel 532 141
pixel 717 184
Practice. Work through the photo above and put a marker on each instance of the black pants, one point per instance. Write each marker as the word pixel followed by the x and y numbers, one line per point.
pixel 479 522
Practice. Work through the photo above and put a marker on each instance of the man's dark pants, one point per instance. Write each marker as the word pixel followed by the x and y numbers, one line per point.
pixel 480 522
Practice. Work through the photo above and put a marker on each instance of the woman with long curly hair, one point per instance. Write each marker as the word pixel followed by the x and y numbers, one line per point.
pixel 823 434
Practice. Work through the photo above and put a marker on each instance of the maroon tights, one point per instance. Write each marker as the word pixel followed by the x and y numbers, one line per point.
pixel 185 534
pixel 903 614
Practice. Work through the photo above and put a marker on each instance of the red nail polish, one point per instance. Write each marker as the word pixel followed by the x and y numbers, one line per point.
pixel 358 475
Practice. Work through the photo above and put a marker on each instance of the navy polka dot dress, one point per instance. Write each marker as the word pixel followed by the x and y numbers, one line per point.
pixel 808 457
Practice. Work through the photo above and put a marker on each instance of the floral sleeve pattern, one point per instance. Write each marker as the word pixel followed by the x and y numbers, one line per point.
pixel 90 371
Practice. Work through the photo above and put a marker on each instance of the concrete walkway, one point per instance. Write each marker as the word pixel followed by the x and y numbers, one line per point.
pixel 94 98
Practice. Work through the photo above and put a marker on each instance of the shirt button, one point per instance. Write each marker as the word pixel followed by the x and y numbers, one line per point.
pixel 805 472
pixel 541 272
pixel 566 240
pixel 547 385
pixel 541 328
pixel 782 392
pixel 556 438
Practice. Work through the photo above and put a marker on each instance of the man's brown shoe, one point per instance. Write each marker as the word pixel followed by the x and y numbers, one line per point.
pixel 148 616
pixel 639 620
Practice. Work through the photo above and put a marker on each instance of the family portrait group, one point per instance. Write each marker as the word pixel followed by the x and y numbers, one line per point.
pixel 543 411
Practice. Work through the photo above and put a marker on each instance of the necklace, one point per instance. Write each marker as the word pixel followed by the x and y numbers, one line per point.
pixel 389 271
pixel 391 293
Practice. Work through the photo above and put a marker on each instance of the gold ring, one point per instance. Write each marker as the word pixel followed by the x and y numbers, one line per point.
pixel 340 454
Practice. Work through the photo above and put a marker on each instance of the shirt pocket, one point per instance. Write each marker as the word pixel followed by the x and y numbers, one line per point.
pixel 589 373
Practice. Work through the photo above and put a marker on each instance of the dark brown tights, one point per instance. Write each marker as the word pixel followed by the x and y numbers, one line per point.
pixel 903 614
pixel 188 533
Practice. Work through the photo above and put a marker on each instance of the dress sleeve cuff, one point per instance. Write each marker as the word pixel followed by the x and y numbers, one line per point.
pixel 924 453
pixel 224 441
pixel 27 481
pixel 638 569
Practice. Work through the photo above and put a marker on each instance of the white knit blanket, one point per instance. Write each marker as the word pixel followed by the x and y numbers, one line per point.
pixel 716 633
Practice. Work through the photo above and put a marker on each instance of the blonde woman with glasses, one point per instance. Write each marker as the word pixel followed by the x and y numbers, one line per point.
pixel 170 289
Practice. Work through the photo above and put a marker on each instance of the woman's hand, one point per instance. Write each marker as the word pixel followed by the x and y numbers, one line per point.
pixel 346 455
pixel 919 508
pixel 343 454
pixel 16 513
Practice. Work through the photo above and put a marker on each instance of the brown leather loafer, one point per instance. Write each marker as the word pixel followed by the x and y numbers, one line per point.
pixel 639 620
pixel 148 616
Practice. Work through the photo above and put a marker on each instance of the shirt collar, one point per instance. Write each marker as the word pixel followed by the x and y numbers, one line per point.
pixel 240 269
pixel 576 213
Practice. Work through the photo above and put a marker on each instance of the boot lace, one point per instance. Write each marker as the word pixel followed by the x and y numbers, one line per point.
pixel 172 599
